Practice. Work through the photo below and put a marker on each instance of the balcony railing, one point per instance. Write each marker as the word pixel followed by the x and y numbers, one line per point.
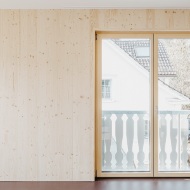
pixel 126 141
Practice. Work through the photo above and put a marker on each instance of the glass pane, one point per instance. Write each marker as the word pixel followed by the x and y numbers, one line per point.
pixel 174 105
pixel 125 105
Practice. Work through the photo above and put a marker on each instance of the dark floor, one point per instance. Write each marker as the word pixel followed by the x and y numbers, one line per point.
pixel 103 184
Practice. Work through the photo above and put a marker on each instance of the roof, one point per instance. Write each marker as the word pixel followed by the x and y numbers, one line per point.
pixel 165 68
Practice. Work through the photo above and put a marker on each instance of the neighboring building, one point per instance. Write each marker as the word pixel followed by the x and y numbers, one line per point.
pixel 125 77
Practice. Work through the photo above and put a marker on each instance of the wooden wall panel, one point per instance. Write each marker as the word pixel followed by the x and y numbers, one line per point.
pixel 47 86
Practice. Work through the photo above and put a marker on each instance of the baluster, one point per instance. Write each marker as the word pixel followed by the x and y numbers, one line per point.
pixel 107 137
pixel 113 118
pixel 141 133
pixel 146 148
pixel 184 141
pixel 184 154
pixel 162 136
pixel 168 140
pixel 130 138
pixel 135 140
pixel 173 135
pixel 124 143
pixel 188 143
pixel 119 138
pixel 103 140
pixel 113 146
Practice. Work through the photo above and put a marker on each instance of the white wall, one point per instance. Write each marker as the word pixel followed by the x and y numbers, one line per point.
pixel 130 81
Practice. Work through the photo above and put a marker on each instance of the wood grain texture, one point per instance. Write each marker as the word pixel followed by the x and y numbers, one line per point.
pixel 47 69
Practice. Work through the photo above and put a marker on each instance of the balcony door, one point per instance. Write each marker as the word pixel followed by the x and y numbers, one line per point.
pixel 142 105
pixel 172 95
pixel 123 105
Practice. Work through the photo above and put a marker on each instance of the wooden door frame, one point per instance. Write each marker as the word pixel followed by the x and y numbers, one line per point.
pixel 153 36
pixel 98 99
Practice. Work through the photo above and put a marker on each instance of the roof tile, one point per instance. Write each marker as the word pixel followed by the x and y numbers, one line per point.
pixel 165 68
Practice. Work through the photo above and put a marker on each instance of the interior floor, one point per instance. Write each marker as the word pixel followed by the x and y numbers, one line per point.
pixel 104 184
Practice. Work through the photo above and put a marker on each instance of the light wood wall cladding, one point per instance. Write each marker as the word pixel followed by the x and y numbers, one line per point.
pixel 47 87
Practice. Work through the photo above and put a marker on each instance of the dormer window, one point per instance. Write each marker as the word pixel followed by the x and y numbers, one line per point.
pixel 142 52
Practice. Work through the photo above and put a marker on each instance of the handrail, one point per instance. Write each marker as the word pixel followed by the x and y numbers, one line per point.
pixel 144 112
